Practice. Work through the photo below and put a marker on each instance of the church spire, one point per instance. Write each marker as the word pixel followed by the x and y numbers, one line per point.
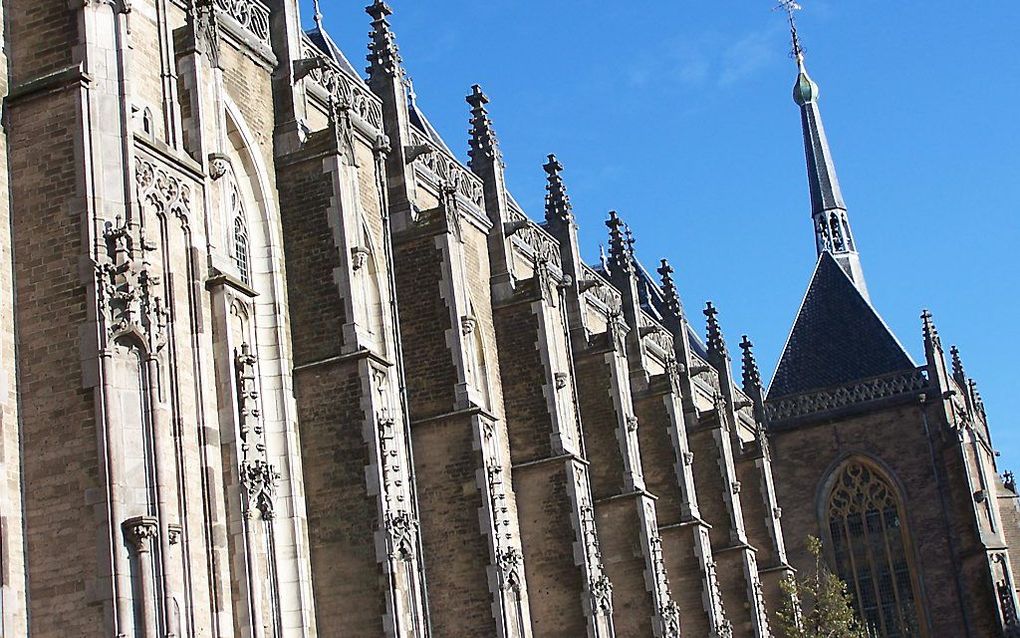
pixel 828 210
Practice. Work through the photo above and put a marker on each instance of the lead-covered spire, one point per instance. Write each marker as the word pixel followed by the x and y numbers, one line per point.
pixel 828 210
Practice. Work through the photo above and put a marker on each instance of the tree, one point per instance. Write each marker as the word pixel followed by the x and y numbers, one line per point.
pixel 817 605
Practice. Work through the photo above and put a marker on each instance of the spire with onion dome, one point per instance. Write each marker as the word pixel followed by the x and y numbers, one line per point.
pixel 828 210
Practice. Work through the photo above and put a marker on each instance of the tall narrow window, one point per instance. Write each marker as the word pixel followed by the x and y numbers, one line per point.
pixel 242 250
pixel 869 541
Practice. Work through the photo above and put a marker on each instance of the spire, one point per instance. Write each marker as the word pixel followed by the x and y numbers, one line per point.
pixel 828 210
pixel 716 342
pixel 484 145
pixel 383 55
pixel 620 258
pixel 557 202
pixel 751 375
pixel 669 291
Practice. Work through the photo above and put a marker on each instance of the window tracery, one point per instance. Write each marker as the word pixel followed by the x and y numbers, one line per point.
pixel 869 542
pixel 242 247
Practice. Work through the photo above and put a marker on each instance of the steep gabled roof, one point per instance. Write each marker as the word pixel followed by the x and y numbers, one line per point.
pixel 325 44
pixel 422 123
pixel 837 337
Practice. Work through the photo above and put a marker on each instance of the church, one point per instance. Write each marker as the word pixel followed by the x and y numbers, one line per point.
pixel 277 362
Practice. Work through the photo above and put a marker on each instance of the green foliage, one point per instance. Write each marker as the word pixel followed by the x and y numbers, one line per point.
pixel 817 605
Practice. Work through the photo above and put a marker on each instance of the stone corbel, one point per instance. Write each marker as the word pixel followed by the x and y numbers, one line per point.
pixel 219 164
pixel 301 68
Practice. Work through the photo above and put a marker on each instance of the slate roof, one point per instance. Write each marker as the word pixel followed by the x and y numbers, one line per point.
pixel 837 338
pixel 328 47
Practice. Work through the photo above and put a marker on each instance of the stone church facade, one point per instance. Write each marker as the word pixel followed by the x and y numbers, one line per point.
pixel 275 363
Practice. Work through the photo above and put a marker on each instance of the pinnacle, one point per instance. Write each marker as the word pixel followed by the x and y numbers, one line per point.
pixel 383 54
pixel 958 372
pixel 931 333
pixel 619 248
pixel 751 375
pixel 557 203
pixel 669 290
pixel 484 144
pixel 716 342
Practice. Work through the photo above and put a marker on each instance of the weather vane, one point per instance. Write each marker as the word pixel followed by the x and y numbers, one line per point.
pixel 790 6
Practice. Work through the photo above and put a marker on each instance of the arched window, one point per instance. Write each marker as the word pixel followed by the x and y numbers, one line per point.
pixel 870 543
pixel 242 249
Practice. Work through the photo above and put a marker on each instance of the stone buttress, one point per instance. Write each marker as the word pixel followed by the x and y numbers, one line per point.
pixel 570 592
pixel 440 231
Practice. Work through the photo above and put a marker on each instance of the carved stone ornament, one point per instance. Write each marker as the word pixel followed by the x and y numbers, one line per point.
pixel 219 164
pixel 601 595
pixel 359 257
pixel 509 562
pixel 341 89
pixel 561 379
pixel 632 424
pixel 468 325
pixel 671 620
pixel 174 532
pixel 259 479
pixel 140 532
pixel 850 394
pixel 127 287
pixel 251 15
pixel 402 529
pixel 205 29
pixel 688 457
pixel 736 487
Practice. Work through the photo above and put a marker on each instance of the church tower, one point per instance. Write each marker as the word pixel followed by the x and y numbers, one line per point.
pixel 890 463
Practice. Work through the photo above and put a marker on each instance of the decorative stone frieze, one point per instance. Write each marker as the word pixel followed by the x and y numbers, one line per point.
pixel 848 395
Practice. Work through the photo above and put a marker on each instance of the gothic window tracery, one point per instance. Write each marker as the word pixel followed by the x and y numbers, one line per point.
pixel 242 247
pixel 869 543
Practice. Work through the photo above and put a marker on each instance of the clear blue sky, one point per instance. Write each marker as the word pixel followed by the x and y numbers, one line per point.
pixel 679 115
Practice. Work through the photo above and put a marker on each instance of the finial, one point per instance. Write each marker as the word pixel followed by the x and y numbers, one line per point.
pixel 751 375
pixel 383 54
pixel 619 252
pixel 412 97
pixel 629 234
pixel 317 15
pixel 1009 481
pixel 790 6
pixel 483 144
pixel 557 202
pixel 805 91
pixel 716 343
pixel 931 333
pixel 958 372
pixel 669 291
pixel 979 403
